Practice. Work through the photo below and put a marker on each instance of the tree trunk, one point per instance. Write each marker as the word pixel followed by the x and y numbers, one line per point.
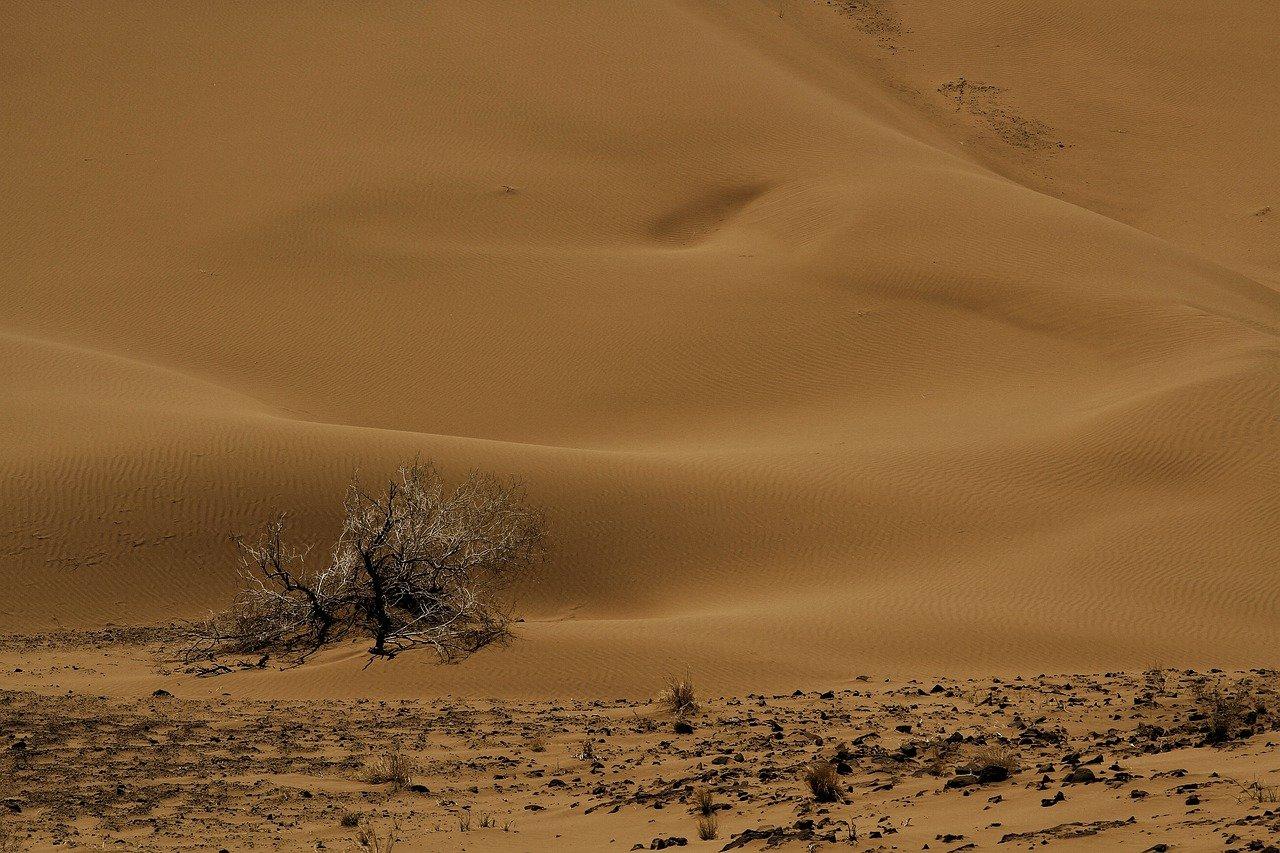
pixel 378 607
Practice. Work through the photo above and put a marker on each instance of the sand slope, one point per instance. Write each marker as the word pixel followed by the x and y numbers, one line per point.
pixel 835 337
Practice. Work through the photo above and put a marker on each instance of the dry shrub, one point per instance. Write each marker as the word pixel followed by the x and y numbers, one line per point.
pixel 418 564
pixel 394 767
pixel 537 744
pixel 587 750
pixel 350 820
pixel 708 826
pixel 679 698
pixel 823 781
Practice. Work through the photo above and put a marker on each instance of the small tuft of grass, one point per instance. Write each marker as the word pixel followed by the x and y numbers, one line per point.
pixel 464 821
pixel 823 781
pixel 704 800
pixel 369 838
pixel 708 826
pixel 587 750
pixel 679 698
pixel 537 744
pixel 350 820
pixel 394 767
pixel 1260 793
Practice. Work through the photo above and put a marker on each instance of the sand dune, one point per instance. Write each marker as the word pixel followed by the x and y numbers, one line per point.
pixel 835 337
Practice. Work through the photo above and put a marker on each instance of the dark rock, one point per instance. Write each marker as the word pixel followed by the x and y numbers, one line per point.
pixel 992 773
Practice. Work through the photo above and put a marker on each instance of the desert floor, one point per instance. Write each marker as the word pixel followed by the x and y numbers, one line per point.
pixel 96 756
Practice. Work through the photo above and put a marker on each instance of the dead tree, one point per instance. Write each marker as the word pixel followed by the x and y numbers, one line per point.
pixel 416 564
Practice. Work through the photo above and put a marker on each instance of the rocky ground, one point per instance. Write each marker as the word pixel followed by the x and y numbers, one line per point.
pixel 1160 760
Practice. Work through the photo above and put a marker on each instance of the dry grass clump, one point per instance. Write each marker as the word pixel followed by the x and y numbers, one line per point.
pixel 9 840
pixel 937 754
pixel 823 781
pixel 537 744
pixel 1157 679
pixel 1260 793
pixel 679 698
pixel 995 756
pixel 587 750
pixel 1223 708
pixel 369 838
pixel 350 820
pixel 708 826
pixel 394 767
pixel 704 800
